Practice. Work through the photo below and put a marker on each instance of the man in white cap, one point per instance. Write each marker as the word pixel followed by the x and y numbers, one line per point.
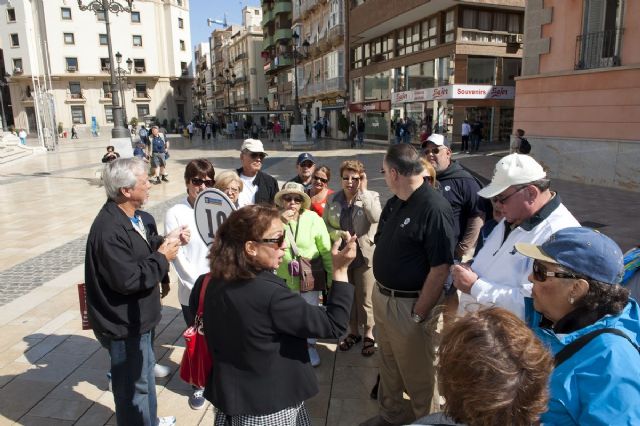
pixel 532 212
pixel 257 186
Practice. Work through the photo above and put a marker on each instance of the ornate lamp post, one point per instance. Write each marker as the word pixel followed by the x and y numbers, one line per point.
pixel 228 79
pixel 119 130
pixel 297 116
pixel 122 80
pixel 3 118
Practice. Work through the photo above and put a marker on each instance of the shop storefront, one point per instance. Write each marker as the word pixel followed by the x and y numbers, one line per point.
pixel 376 117
pixel 333 109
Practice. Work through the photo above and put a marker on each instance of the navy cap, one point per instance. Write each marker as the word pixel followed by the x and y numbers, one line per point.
pixel 305 156
pixel 582 250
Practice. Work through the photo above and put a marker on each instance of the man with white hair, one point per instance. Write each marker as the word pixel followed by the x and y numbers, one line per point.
pixel 257 186
pixel 532 212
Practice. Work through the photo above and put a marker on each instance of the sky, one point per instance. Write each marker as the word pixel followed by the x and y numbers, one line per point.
pixel 200 10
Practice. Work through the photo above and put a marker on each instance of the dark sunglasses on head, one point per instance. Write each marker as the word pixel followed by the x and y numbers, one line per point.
pixel 434 151
pixel 321 179
pixel 277 241
pixel 295 199
pixel 540 273
pixel 208 183
pixel 348 178
pixel 256 155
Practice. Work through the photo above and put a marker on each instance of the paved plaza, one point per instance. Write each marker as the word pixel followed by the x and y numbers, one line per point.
pixel 54 373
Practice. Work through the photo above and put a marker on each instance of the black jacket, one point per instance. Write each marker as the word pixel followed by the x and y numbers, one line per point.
pixel 123 273
pixel 267 187
pixel 256 331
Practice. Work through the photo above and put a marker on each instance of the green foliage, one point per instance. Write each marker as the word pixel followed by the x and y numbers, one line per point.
pixel 343 122
pixel 60 128
pixel 133 121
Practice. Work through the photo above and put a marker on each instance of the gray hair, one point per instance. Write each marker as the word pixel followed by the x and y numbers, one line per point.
pixel 121 173
pixel 405 159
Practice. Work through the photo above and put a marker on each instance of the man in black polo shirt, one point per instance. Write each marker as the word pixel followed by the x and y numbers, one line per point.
pixel 414 249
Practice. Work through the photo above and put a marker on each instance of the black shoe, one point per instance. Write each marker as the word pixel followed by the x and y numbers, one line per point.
pixel 164 178
pixel 156 181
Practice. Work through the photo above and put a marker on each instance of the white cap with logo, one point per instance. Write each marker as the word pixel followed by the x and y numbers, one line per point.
pixel 436 139
pixel 514 169
pixel 253 145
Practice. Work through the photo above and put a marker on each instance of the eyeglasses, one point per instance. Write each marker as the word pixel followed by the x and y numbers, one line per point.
pixel 350 178
pixel 257 155
pixel 434 151
pixel 232 190
pixel 306 164
pixel 321 179
pixel 208 182
pixel 277 241
pixel 540 273
pixel 290 198
pixel 503 200
pixel 382 171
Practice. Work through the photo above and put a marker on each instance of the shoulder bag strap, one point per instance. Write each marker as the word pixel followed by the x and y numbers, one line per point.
pixel 203 290
pixel 573 347
pixel 292 239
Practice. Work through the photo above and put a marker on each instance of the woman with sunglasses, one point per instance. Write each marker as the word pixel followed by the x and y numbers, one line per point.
pixel 230 183
pixel 356 211
pixel 256 328
pixel 590 325
pixel 191 261
pixel 320 190
pixel 307 232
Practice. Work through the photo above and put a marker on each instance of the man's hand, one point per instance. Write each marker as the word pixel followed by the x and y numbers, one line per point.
pixel 463 277
pixel 343 258
pixel 431 290
pixel 169 248
pixel 182 233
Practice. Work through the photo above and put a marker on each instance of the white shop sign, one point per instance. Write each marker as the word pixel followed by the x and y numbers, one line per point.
pixel 455 91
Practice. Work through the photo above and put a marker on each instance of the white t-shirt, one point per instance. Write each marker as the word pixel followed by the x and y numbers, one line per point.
pixel 466 129
pixel 248 194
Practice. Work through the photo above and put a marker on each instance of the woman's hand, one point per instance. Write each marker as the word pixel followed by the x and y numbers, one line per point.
pixel 288 215
pixel 343 258
pixel 363 182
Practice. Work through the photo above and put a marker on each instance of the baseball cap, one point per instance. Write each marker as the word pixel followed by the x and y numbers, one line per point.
pixel 436 139
pixel 305 156
pixel 584 251
pixel 514 169
pixel 253 145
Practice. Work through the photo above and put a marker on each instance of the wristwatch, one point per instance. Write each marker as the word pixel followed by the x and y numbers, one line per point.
pixel 416 318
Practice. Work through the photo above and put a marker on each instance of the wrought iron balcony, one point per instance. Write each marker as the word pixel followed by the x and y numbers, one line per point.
pixel 598 50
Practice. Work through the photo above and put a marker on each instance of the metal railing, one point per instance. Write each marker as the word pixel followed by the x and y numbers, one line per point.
pixel 598 50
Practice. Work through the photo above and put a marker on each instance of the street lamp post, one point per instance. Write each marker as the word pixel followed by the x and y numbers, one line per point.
pixel 107 7
pixel 297 135
pixel 122 79
pixel 3 119
pixel 228 79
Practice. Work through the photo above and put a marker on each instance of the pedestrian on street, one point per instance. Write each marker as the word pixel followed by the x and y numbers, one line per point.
pixel 305 167
pixel 74 132
pixel 159 152
pixel 476 134
pixel 414 250
pixel 191 261
pixel 110 155
pixel 466 130
pixel 360 132
pixel 22 134
pixel 277 129
pixel 353 133
pixel 190 130
pixel 126 261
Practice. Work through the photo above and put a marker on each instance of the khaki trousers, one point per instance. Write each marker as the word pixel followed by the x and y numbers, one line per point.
pixel 406 354
pixel 362 307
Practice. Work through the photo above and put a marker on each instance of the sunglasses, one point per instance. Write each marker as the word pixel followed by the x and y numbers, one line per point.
pixel 306 164
pixel 350 178
pixel 290 198
pixel 434 151
pixel 208 182
pixel 257 155
pixel 540 273
pixel 321 179
pixel 277 241
pixel 503 200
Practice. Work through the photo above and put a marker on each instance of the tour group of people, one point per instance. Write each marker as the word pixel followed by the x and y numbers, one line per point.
pixel 535 327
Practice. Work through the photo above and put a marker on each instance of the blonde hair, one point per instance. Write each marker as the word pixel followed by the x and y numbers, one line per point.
pixel 226 178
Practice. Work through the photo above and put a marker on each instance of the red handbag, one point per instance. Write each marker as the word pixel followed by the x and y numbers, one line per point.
pixel 196 364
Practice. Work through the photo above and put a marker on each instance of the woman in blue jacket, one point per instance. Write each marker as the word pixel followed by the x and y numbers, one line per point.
pixel 591 326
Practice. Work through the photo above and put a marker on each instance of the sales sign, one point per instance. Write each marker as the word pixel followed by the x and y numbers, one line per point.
pixel 211 209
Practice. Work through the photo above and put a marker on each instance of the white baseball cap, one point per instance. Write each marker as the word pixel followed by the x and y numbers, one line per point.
pixel 436 139
pixel 253 145
pixel 514 169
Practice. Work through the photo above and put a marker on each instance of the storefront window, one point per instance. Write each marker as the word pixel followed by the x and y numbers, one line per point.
pixel 510 69
pixel 376 125
pixel 481 70
pixel 399 80
pixel 376 86
pixel 420 76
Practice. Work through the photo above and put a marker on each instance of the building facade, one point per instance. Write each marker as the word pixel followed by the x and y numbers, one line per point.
pixel 202 82
pixel 60 65
pixel 434 64
pixel 579 90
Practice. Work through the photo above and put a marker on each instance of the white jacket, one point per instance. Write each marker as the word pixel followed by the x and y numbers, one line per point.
pixel 502 271
pixel 191 261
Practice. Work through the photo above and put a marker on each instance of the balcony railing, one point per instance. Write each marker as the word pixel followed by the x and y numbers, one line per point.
pixel 598 50
pixel 142 94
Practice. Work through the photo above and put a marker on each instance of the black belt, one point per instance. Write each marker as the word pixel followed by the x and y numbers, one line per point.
pixel 397 293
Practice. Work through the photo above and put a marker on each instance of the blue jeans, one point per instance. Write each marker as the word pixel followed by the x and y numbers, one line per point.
pixel 475 142
pixel 360 138
pixel 132 378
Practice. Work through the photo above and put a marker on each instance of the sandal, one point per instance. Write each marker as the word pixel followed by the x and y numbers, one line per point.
pixel 349 341
pixel 368 347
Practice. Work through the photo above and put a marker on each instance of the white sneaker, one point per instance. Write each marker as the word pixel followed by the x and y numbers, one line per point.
pixel 166 421
pixel 161 371
pixel 314 356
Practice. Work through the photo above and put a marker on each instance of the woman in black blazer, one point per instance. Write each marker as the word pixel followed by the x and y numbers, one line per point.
pixel 257 329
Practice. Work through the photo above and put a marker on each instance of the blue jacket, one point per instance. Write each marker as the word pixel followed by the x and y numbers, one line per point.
pixel 599 384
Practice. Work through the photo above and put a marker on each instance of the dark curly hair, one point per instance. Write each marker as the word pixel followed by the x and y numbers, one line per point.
pixel 603 298
pixel 492 370
pixel 228 259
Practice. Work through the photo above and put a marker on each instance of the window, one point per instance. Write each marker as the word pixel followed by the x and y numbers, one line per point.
pixel 17 66
pixel 430 32
pixel 183 67
pixel 510 70
pixel 77 114
pixel 139 65
pixel 106 89
pixel 108 113
pixel 137 40
pixel 180 23
pixel 75 91
pixel 65 13
pixel 141 90
pixel 69 39
pixel 179 2
pixel 101 16
pixel 601 38
pixel 376 86
pixel 15 40
pixel 420 76
pixel 449 26
pixel 104 64
pixel 514 24
pixel 72 64
pixel 443 71
pixel 500 21
pixel 135 17
pixel 102 39
pixel 481 70
pixel 182 46
pixel 11 15
pixel 143 110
